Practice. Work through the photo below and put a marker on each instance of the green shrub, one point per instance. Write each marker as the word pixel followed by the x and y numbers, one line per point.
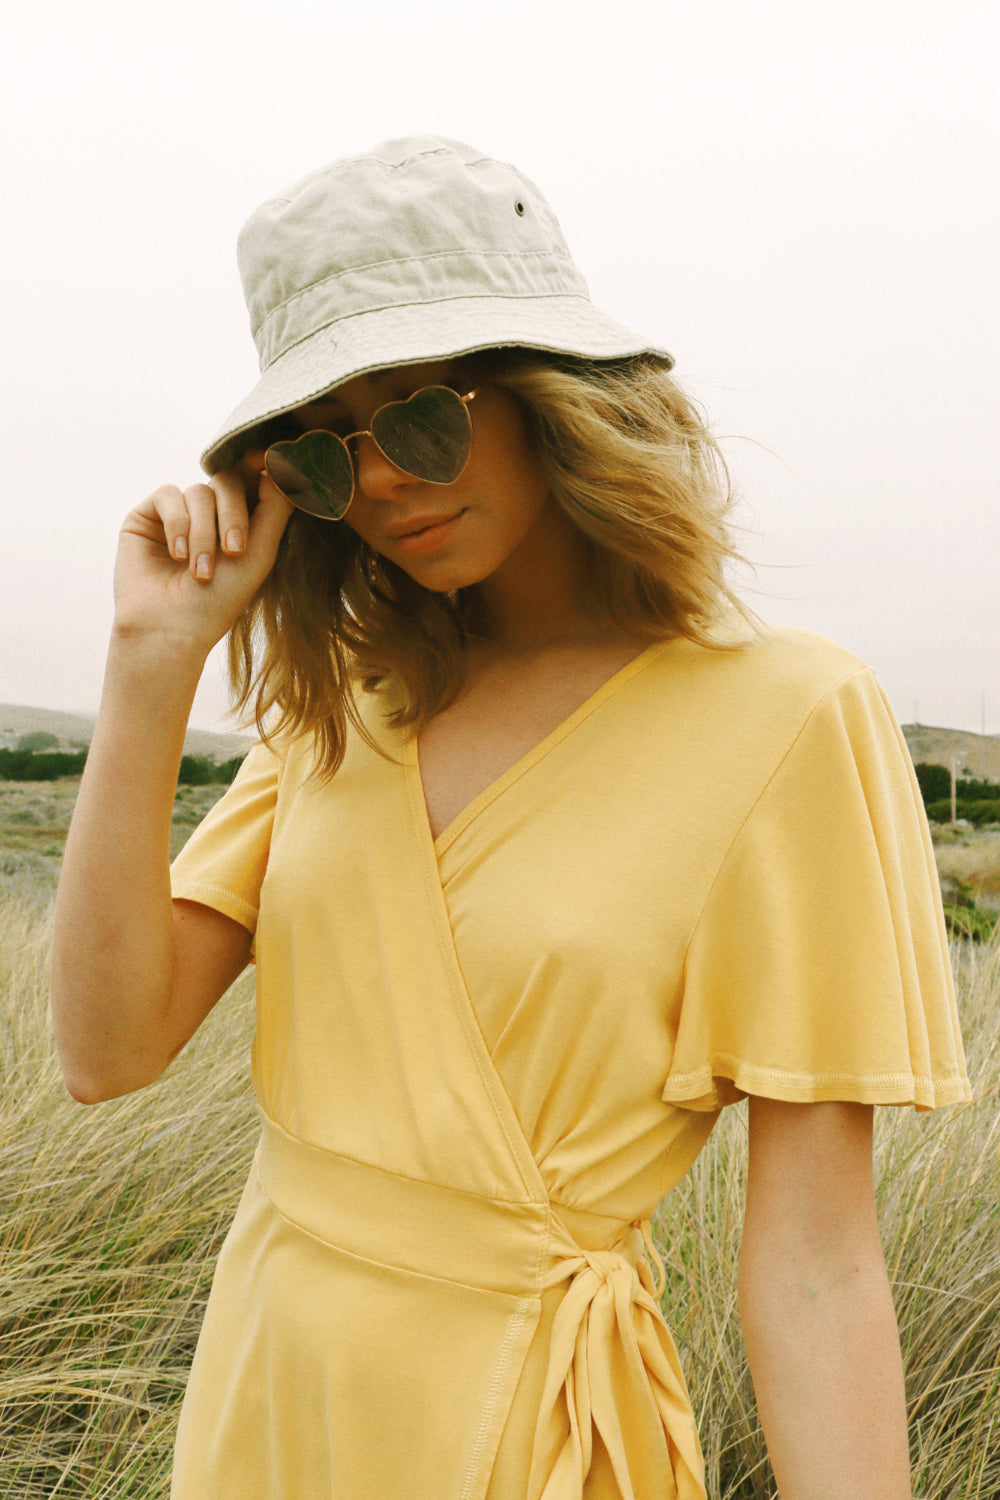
pixel 51 765
pixel 969 921
pixel 977 812
pixel 227 769
pixel 972 790
pixel 934 781
pixel 199 770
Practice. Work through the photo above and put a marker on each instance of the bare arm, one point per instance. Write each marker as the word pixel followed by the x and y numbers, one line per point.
pixel 817 1311
pixel 132 976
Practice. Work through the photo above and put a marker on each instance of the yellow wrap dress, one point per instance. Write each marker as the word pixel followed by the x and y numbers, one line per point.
pixel 482 1060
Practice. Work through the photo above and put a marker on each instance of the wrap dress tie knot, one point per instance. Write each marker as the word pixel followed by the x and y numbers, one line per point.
pixel 615 1401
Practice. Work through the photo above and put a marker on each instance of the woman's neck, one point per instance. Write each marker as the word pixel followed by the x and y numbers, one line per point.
pixel 543 595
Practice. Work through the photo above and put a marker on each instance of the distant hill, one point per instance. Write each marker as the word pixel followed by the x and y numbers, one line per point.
pixel 926 743
pixel 76 730
pixel 980 752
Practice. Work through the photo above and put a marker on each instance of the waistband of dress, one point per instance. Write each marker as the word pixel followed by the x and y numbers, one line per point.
pixel 433 1230
pixel 417 1226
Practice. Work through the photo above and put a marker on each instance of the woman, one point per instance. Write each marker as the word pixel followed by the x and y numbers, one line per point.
pixel 545 857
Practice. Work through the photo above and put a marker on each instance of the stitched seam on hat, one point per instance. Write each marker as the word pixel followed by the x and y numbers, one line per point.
pixel 394 166
pixel 397 306
pixel 520 255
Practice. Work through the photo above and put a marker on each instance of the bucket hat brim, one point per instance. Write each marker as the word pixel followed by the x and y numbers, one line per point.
pixel 417 334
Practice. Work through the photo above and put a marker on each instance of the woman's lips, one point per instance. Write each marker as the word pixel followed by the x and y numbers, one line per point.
pixel 425 536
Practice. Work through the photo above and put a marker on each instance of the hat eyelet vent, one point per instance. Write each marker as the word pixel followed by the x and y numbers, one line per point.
pixel 519 208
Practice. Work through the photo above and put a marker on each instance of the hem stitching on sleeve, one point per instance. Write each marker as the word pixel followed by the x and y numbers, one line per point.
pixel 218 892
pixel 693 1085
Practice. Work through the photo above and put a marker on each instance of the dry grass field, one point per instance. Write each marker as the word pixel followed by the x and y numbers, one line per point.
pixel 112 1216
pixel 972 856
pixel 34 819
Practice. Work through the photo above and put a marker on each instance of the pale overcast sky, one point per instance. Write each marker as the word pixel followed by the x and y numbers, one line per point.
pixel 800 200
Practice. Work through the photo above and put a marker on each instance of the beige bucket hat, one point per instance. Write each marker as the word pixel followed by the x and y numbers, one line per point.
pixel 420 249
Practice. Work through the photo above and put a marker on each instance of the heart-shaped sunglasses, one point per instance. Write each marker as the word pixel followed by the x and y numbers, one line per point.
pixel 428 436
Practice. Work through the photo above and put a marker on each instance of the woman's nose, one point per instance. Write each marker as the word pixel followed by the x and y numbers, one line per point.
pixel 375 475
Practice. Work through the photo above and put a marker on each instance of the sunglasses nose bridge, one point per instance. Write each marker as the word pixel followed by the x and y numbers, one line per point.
pixel 374 471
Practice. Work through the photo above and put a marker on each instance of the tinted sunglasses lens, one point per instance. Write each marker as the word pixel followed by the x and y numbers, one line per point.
pixel 314 472
pixel 428 436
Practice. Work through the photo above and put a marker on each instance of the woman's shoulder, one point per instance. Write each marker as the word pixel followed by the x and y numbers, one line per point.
pixel 799 660
pixel 789 665
pixel 755 692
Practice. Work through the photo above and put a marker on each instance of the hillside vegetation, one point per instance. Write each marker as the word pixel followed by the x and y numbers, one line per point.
pixel 977 754
pixel 74 731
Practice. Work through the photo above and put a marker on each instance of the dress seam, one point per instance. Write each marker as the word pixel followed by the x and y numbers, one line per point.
pixel 547 744
pixel 501 1365
pixel 810 1080
pixel 520 1150
pixel 860 670
pixel 181 892
pixel 683 1087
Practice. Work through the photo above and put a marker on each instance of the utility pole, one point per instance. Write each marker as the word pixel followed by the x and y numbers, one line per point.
pixel 956 761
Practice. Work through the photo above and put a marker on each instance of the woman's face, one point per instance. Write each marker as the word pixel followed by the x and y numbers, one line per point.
pixel 445 536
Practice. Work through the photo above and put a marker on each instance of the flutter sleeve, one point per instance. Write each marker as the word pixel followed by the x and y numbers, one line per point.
pixel 223 863
pixel 819 967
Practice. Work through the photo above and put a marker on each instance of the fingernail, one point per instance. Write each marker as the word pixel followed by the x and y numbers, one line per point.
pixel 181 546
pixel 234 540
pixel 203 565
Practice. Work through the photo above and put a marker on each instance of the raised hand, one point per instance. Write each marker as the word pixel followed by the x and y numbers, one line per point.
pixel 190 560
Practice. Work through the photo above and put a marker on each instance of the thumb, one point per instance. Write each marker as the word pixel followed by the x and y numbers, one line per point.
pixel 271 516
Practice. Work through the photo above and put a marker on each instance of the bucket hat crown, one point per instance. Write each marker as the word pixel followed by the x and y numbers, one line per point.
pixel 420 249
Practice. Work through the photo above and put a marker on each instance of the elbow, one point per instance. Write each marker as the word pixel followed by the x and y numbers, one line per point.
pixel 82 1093
pixel 78 1085
pixel 96 1080
pixel 86 1089
pixel 100 1061
pixel 91 1089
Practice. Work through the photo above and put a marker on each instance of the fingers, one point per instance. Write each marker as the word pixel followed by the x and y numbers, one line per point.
pixel 202 537
pixel 167 505
pixel 212 520
pixel 232 519
pixel 203 519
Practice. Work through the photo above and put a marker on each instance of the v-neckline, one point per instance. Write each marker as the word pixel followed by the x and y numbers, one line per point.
pixel 524 763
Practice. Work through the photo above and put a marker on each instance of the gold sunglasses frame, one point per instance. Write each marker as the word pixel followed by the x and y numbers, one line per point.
pixel 346 438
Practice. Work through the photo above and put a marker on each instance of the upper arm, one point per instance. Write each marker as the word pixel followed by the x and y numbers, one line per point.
pixel 810 1188
pixel 211 950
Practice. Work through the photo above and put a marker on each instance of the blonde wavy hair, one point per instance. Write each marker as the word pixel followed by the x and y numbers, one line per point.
pixel 629 458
